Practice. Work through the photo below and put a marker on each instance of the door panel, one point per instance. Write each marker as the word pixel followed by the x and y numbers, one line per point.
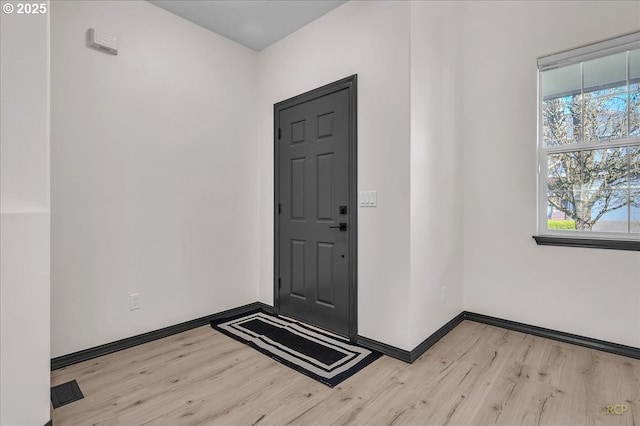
pixel 298 275
pixel 313 184
pixel 324 187
pixel 326 273
pixel 297 188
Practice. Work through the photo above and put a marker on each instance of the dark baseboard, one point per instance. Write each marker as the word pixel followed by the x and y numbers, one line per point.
pixel 435 337
pixel 268 309
pixel 587 342
pixel 415 353
pixel 392 351
pixel 49 423
pixel 129 342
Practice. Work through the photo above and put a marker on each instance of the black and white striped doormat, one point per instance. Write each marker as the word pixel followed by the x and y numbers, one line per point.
pixel 323 356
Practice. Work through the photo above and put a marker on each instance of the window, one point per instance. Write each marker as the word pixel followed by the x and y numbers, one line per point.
pixel 589 141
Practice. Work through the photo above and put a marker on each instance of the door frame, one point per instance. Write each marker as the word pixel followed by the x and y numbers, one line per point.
pixel 349 84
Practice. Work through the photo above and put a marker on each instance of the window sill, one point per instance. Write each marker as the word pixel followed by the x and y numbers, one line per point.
pixel 545 240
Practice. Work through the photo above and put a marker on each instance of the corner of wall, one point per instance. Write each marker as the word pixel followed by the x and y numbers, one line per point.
pixel 436 291
pixel 24 218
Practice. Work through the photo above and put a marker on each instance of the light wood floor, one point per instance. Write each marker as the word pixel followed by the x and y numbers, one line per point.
pixel 476 375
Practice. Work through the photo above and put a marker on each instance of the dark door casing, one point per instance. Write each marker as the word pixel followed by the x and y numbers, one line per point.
pixel 315 208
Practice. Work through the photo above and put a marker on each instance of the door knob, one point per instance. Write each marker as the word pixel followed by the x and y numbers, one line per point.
pixel 342 227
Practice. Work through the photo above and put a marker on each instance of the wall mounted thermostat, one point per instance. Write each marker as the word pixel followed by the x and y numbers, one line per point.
pixel 103 41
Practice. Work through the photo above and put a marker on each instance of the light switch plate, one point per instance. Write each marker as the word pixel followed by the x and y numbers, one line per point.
pixel 368 199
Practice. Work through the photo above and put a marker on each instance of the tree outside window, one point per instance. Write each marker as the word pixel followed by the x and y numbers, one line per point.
pixel 590 145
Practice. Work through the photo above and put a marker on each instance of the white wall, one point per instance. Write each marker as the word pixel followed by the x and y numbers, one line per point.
pixel 24 220
pixel 153 173
pixel 589 292
pixel 370 39
pixel 161 152
pixel 436 166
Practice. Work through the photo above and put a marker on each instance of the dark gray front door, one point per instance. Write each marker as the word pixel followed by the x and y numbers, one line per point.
pixel 314 211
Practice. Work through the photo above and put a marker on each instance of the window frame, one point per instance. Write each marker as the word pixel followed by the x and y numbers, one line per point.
pixel 579 55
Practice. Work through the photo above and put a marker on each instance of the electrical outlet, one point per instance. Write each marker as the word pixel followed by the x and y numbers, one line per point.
pixel 134 301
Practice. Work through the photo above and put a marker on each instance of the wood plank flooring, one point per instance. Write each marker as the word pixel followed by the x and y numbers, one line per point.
pixel 475 375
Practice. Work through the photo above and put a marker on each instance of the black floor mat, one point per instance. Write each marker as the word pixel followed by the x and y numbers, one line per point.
pixel 65 393
pixel 321 355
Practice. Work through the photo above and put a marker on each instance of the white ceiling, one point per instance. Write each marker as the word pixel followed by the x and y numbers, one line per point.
pixel 253 23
